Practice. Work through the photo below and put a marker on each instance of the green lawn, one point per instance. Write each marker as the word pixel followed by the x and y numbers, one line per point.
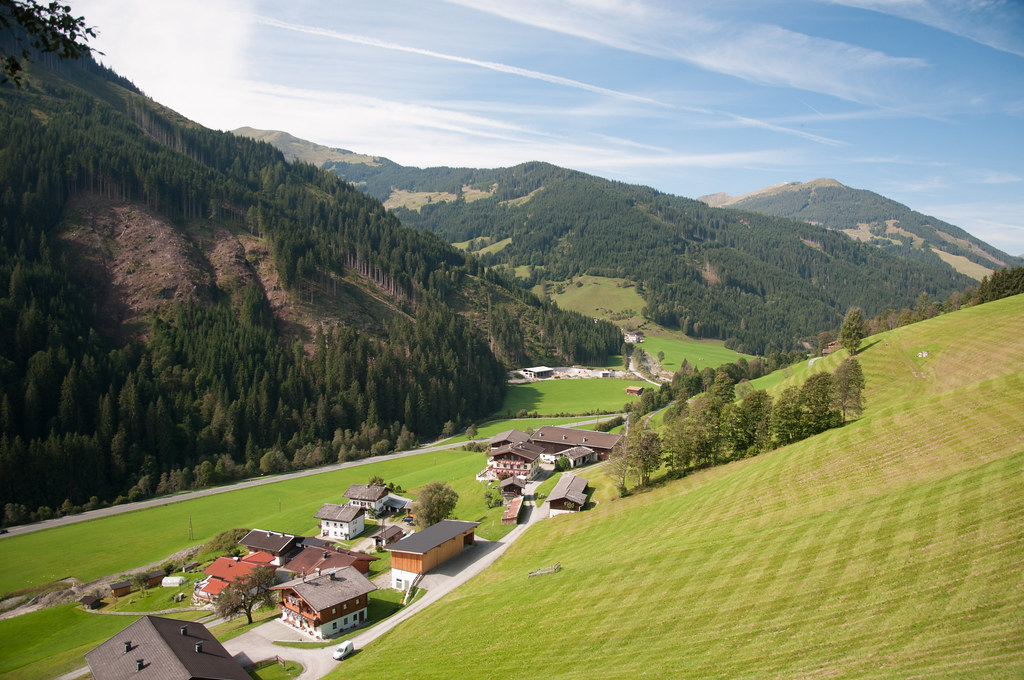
pixel 150 600
pixel 275 671
pixel 114 544
pixel 581 396
pixel 700 354
pixel 50 642
pixel 886 548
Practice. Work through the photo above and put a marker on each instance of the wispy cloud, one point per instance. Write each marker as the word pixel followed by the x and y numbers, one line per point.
pixel 760 53
pixel 489 65
pixel 998 24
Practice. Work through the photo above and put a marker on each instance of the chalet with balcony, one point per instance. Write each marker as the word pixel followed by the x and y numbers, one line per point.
pixel 521 460
pixel 163 649
pixel 325 606
pixel 369 497
pixel 341 521
pixel 553 439
pixel 420 552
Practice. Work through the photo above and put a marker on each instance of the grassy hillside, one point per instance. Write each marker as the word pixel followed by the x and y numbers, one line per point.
pixel 584 395
pixel 890 547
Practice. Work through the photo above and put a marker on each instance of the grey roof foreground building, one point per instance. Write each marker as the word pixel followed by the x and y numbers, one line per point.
pixel 155 648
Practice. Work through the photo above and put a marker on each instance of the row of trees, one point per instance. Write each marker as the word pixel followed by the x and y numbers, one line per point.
pixel 713 428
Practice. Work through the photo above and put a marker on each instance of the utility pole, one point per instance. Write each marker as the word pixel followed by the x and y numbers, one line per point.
pixel 191 536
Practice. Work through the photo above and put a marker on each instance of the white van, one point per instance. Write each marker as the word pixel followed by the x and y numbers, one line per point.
pixel 343 650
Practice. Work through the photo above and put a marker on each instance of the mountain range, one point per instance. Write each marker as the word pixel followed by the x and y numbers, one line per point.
pixel 756 281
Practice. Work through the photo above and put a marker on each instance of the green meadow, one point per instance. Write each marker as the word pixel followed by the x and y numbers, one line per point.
pixel 699 354
pixel 101 547
pixel 494 427
pixel 570 395
pixel 886 548
pixel 598 296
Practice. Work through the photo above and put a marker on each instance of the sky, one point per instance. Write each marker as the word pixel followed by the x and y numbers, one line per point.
pixel 918 100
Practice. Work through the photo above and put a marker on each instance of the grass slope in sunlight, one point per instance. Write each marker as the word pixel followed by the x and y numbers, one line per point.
pixel 89 550
pixel 570 395
pixel 887 548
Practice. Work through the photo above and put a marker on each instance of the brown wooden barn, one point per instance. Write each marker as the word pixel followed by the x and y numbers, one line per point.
pixel 422 551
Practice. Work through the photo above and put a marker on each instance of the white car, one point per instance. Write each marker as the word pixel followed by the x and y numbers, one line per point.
pixel 343 650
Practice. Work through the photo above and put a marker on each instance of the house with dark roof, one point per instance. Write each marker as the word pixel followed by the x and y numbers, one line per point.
pixel 420 552
pixel 512 487
pixel 310 560
pixel 569 495
pixel 370 497
pixel 121 588
pixel 521 460
pixel 553 439
pixel 341 521
pixel 155 648
pixel 276 543
pixel 326 605
pixel 386 535
pixel 91 602
pixel 154 578
pixel 508 438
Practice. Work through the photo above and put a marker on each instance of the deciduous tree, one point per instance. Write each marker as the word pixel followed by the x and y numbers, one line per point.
pixel 436 501
pixel 852 331
pixel 246 593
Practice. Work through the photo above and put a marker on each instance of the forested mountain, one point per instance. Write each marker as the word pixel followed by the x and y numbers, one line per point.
pixel 180 306
pixel 869 217
pixel 755 281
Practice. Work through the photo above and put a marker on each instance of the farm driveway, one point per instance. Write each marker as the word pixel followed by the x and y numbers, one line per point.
pixel 257 643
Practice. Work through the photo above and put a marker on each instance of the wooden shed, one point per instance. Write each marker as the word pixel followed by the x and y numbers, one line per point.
pixel 121 588
pixel 422 551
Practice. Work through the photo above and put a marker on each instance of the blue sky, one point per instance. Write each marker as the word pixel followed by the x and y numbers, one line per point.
pixel 919 100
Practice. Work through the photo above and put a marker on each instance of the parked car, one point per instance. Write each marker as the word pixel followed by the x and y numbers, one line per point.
pixel 343 650
pixel 408 520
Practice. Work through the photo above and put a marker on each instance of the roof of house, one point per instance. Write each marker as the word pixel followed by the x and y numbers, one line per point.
pixel 89 600
pixel 577 452
pixel 513 508
pixel 426 540
pixel 311 558
pixel 510 436
pixel 513 481
pixel 571 437
pixel 388 532
pixel 330 589
pixel 525 450
pixel 271 541
pixel 213 586
pixel 120 584
pixel 159 573
pixel 362 492
pixel 339 513
pixel 165 653
pixel 538 369
pixel 230 568
pixel 259 557
pixel 571 488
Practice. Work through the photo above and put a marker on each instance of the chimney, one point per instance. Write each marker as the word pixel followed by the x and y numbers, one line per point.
pixel 318 571
pixel 127 646
pixel 184 630
pixel 564 437
pixel 138 665
pixel 199 648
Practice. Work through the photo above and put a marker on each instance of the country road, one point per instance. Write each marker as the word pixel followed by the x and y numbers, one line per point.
pixel 256 481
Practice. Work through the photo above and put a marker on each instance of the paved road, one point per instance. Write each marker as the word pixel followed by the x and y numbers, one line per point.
pixel 257 644
pixel 257 481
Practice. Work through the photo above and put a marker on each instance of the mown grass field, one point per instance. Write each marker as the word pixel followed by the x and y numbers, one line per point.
pixel 580 396
pixel 887 548
pixel 492 428
pixel 89 550
pixel 700 354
